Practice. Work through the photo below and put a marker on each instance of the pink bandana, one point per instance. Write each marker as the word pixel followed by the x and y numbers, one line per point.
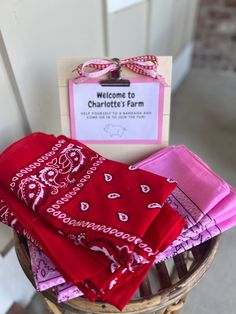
pixel 208 213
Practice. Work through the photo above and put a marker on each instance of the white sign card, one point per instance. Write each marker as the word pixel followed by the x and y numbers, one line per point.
pixel 117 114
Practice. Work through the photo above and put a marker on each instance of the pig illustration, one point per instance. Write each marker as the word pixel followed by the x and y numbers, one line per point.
pixel 114 130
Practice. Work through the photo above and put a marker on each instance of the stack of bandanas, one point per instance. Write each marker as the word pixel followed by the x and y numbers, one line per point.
pixel 205 201
pixel 101 223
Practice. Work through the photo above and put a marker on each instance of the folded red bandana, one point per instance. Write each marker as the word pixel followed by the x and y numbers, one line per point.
pixel 74 199
pixel 91 200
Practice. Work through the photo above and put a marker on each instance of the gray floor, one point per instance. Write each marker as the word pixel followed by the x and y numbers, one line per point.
pixel 204 119
pixel 37 306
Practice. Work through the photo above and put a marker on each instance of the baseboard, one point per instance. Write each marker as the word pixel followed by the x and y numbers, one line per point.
pixel 181 65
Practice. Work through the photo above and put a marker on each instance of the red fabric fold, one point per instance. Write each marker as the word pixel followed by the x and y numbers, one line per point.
pixel 101 222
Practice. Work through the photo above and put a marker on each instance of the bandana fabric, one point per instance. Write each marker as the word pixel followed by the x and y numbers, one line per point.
pixel 67 292
pixel 101 214
pixel 207 214
pixel 223 211
pixel 192 175
pixel 45 273
pixel 197 240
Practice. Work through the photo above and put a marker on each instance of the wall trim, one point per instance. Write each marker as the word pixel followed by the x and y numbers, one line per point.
pixel 182 65
pixel 15 89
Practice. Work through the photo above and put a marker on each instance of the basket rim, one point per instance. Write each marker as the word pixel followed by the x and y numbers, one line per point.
pixel 159 300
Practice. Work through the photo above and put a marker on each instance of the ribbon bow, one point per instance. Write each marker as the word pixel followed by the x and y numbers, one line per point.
pixel 142 65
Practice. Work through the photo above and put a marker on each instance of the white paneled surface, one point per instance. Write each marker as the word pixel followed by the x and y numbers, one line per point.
pixel 127 31
pixel 11 121
pixel 179 22
pixel 36 34
pixel 182 65
pixel 171 25
pixel 191 19
pixel 160 26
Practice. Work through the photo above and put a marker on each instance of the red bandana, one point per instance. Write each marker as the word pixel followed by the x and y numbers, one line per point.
pixel 105 217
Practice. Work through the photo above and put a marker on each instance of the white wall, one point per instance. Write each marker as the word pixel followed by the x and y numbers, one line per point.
pixel 171 25
pixel 12 124
pixel 127 31
pixel 36 33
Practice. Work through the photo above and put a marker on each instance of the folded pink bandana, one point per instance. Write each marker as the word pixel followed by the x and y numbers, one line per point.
pixel 223 211
pixel 204 200
pixel 47 276
pixel 192 176
pixel 67 292
pixel 45 273
pixel 200 238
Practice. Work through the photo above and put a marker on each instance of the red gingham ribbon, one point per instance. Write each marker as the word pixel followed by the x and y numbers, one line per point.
pixel 142 65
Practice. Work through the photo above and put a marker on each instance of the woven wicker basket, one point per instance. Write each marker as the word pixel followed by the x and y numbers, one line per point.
pixel 163 291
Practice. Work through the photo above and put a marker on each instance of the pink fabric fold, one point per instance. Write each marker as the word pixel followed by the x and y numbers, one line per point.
pixel 66 292
pixel 202 198
pixel 199 188
pixel 44 271
pixel 197 240
pixel 46 275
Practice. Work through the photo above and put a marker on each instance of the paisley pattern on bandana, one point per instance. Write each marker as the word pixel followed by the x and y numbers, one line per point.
pixel 50 174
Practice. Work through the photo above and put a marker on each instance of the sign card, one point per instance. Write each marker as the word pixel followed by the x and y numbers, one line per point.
pixel 116 114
